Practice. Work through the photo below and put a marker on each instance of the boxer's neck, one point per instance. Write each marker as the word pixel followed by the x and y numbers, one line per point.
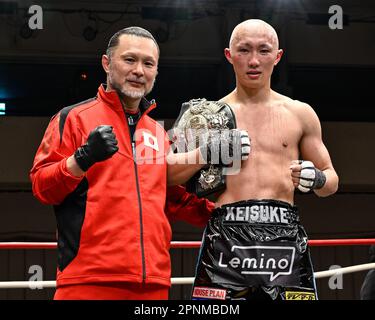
pixel 254 96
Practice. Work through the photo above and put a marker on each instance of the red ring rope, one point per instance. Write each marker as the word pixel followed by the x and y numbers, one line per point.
pixel 189 244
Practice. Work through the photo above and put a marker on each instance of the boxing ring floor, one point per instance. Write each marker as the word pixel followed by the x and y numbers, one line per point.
pixel 338 271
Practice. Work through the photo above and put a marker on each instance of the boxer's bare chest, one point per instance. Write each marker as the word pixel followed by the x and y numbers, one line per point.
pixel 273 128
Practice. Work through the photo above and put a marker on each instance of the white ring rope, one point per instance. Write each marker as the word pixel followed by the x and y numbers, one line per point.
pixel 338 271
pixel 27 284
pixel 181 280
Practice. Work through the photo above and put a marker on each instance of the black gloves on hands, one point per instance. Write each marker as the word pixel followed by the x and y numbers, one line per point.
pixel 101 144
pixel 223 147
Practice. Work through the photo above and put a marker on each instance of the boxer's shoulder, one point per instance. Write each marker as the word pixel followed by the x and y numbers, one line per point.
pixel 288 103
pixel 306 114
pixel 231 99
pixel 302 110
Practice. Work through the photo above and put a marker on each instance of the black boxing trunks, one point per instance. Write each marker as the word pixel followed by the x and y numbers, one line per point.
pixel 254 250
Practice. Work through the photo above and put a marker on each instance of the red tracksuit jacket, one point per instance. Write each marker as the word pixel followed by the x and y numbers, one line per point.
pixel 111 223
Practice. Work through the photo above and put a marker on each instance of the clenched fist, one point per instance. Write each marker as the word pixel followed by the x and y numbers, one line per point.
pixel 305 176
pixel 101 144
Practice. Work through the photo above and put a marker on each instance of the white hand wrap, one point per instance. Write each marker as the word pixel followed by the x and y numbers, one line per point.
pixel 245 145
pixel 223 147
pixel 311 177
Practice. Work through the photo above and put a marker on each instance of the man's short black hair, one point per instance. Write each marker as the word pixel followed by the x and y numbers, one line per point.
pixel 135 31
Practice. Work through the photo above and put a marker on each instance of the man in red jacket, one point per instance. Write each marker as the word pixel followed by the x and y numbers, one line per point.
pixel 102 164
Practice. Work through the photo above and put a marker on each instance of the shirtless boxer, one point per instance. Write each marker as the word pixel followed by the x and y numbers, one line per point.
pixel 254 246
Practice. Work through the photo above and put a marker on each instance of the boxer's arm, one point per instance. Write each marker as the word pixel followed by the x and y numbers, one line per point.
pixel 221 148
pixel 182 166
pixel 313 149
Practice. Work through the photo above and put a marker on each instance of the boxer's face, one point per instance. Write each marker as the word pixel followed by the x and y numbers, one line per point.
pixel 253 54
pixel 132 66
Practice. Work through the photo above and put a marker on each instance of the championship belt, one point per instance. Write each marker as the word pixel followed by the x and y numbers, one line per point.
pixel 195 118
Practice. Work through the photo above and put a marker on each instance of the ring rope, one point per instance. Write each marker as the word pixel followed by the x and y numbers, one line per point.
pixel 191 244
pixel 183 280
pixel 185 244
pixel 338 271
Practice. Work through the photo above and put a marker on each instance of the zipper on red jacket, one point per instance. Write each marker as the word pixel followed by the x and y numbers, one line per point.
pixel 139 198
pixel 137 184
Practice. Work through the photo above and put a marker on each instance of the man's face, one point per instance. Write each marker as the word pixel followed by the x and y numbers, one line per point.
pixel 132 66
pixel 253 54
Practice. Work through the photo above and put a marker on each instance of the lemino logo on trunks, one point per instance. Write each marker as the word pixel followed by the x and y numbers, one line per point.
pixel 269 262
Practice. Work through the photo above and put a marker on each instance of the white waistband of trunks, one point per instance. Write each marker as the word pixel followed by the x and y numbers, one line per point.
pixel 258 213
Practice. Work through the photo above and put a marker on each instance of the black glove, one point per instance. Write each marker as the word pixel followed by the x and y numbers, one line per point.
pixel 223 147
pixel 100 145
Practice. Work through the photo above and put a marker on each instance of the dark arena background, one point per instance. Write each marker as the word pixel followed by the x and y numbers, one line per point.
pixel 328 64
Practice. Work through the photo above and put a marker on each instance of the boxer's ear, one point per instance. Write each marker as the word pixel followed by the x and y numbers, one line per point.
pixel 228 55
pixel 278 56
